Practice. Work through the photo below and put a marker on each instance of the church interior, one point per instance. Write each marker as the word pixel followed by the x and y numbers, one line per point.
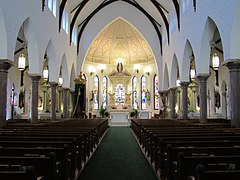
pixel 119 89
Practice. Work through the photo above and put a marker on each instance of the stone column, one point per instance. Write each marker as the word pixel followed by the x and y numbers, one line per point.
pixel 172 102
pixel 65 103
pixel 202 79
pixel 34 98
pixel 59 99
pixel 45 99
pixel 4 66
pixel 184 86
pixel 53 99
pixel 234 71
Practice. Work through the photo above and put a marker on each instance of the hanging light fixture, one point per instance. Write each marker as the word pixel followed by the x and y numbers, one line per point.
pixel 60 80
pixel 178 83
pixel 21 62
pixel 192 73
pixel 215 61
pixel 45 72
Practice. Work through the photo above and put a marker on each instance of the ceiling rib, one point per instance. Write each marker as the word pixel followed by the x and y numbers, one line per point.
pixel 135 4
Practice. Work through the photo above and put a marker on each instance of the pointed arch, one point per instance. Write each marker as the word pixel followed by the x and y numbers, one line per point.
pixel 187 56
pixel 136 18
pixel 52 62
pixel 203 62
pixel 3 35
pixel 166 78
pixel 174 71
pixel 34 58
pixel 65 73
pixel 235 34
pixel 72 77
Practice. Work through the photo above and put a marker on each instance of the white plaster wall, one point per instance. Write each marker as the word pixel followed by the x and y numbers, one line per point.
pixel 106 16
pixel 44 27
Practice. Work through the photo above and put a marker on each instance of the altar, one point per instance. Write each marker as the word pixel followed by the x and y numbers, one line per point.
pixel 119 117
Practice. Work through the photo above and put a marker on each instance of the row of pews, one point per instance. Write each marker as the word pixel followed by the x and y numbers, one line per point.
pixel 187 150
pixel 49 150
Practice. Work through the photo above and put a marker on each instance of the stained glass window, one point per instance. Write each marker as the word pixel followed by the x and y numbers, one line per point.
pixel 120 94
pixel 143 93
pixel 65 21
pixel 156 94
pixel 96 93
pixel 52 6
pixel 105 89
pixel 134 93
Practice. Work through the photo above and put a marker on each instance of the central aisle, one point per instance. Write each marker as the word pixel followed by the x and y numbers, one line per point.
pixel 118 157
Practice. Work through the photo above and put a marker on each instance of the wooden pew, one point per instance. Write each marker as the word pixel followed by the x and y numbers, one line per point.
pixel 61 154
pixel 172 155
pixel 187 164
pixel 202 174
pixel 27 173
pixel 45 166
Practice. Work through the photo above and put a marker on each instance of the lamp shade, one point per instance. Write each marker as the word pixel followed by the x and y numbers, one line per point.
pixel 60 80
pixel 45 73
pixel 192 73
pixel 178 83
pixel 215 61
pixel 21 62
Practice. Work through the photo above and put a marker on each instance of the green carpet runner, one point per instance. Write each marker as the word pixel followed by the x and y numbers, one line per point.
pixel 118 157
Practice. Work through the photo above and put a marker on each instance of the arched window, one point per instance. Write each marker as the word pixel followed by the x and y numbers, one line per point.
pixel 120 94
pixel 173 22
pixel 143 93
pixel 96 93
pixel 105 89
pixel 52 5
pixel 156 94
pixel 74 36
pixel 185 6
pixel 65 21
pixel 134 93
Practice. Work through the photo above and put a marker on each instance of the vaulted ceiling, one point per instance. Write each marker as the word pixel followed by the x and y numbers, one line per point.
pixel 119 39
pixel 157 11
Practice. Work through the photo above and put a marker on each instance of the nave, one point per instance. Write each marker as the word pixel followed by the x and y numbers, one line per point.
pixel 118 157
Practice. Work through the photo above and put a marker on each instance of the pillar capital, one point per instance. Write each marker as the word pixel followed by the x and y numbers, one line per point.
pixel 34 77
pixel 173 89
pixel 53 84
pixel 232 63
pixel 5 65
pixel 202 77
pixel 184 83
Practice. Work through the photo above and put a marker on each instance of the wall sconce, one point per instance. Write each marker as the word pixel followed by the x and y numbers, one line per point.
pixel 148 73
pixel 102 70
pixel 215 65
pixel 45 73
pixel 178 83
pixel 60 80
pixel 21 62
pixel 22 67
pixel 137 68
pixel 91 73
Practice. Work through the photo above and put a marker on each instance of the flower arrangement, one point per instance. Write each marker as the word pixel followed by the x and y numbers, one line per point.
pixel 103 112
pixel 133 113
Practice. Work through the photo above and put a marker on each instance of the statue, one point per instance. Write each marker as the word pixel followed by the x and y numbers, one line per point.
pixel 111 99
pixel 128 99
pixel 80 79
pixel 120 67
